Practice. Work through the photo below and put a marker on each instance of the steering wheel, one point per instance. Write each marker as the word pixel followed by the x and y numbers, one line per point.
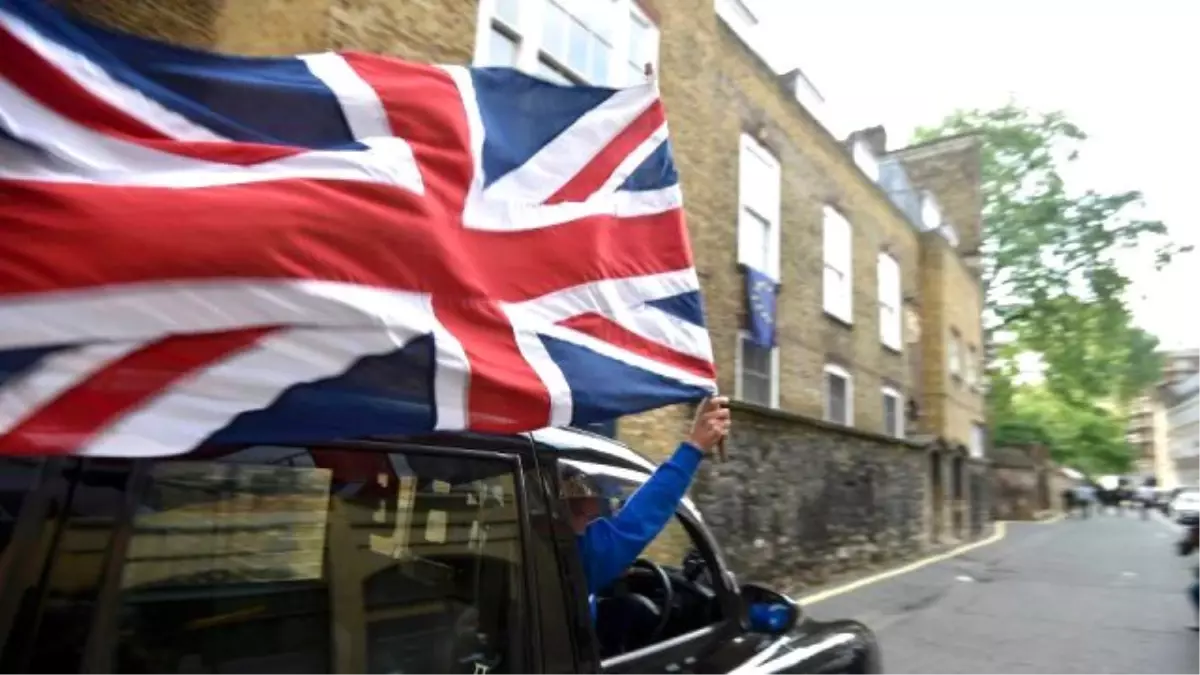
pixel 668 594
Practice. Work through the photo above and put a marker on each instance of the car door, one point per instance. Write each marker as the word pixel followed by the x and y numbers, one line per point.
pixel 365 557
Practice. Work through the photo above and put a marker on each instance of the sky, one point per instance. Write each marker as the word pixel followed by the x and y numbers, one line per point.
pixel 1125 72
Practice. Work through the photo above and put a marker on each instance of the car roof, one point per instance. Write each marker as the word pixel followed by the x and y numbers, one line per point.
pixel 592 452
pixel 584 445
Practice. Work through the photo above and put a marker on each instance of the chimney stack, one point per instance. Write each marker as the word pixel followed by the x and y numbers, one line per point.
pixel 876 138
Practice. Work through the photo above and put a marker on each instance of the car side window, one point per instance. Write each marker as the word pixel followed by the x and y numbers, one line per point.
pixel 298 560
pixel 636 612
pixel 670 546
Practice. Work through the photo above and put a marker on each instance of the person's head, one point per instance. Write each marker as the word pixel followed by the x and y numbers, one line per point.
pixel 584 503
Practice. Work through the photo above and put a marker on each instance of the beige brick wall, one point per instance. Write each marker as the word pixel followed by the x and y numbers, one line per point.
pixel 950 301
pixel 951 293
pixel 714 89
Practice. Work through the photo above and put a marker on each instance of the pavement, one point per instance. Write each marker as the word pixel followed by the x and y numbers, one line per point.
pixel 1101 595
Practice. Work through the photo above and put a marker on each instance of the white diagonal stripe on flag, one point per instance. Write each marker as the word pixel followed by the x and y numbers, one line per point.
pixel 617 354
pixel 100 84
pixel 72 153
pixel 191 410
pixel 562 158
pixel 53 376
pixel 360 104
pixel 630 164
pixel 154 310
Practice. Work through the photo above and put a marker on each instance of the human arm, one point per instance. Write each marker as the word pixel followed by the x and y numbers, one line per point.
pixel 609 545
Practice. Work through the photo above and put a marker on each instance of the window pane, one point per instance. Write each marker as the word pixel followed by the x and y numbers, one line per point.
pixel 835 292
pixel 596 15
pixel 890 329
pixel 756 373
pixel 549 72
pixel 891 415
pixel 556 26
pixel 754 235
pixel 759 186
pixel 18 476
pixel 617 626
pixel 755 359
pixel 502 50
pixel 91 508
pixel 508 11
pixel 579 47
pixel 640 41
pixel 600 55
pixel 836 397
pixel 757 389
pixel 324 561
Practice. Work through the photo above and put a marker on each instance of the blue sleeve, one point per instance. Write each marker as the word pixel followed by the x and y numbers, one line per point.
pixel 609 545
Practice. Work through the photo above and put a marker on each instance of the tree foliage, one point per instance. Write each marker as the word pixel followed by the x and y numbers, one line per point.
pixel 1053 283
pixel 1089 438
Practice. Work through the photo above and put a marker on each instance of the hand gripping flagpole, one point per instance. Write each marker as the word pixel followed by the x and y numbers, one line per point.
pixel 722 455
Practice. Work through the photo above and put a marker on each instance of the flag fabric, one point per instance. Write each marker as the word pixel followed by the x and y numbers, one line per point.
pixel 761 294
pixel 203 248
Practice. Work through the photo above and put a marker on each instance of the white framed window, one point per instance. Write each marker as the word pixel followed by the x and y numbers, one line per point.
pixel 756 371
pixel 972 370
pixel 600 42
pixel 758 207
pixel 978 440
pixel 838 282
pixel 931 212
pixel 954 354
pixel 839 395
pixel 891 320
pixel 893 412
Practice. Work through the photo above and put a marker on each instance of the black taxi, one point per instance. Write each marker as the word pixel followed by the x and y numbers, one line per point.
pixel 447 553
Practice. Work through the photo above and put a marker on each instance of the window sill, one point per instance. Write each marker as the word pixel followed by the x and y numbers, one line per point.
pixel 892 349
pixel 839 320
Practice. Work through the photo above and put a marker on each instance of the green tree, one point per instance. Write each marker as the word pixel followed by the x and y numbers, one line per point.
pixel 1050 273
pixel 1053 286
pixel 1089 438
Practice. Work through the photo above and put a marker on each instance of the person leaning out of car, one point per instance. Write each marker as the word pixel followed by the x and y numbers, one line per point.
pixel 609 545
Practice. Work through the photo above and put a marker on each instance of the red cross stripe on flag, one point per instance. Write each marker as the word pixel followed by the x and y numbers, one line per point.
pixel 198 247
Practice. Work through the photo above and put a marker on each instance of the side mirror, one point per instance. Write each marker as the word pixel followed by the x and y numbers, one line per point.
pixel 768 611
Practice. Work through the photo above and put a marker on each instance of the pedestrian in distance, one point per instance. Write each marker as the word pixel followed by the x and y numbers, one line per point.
pixel 1145 499
pixel 1085 494
pixel 1068 502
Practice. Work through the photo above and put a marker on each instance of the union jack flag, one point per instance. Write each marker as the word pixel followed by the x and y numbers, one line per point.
pixel 201 248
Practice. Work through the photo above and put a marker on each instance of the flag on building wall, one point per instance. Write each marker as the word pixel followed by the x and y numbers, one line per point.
pixel 198 248
pixel 761 293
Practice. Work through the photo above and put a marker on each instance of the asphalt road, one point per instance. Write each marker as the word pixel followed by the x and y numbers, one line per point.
pixel 1103 595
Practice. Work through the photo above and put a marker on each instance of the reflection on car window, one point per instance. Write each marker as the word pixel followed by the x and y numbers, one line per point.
pixel 87 500
pixel 274 560
pixel 616 486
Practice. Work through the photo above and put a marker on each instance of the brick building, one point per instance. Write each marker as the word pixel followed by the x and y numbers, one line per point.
pixel 1161 423
pixel 852 432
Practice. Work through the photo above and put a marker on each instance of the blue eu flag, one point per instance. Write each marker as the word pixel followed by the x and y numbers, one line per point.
pixel 761 291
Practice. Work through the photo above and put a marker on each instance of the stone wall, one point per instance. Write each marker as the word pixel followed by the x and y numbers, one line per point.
pixel 800 500
pixel 979 499
pixel 1023 483
pixel 1015 489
